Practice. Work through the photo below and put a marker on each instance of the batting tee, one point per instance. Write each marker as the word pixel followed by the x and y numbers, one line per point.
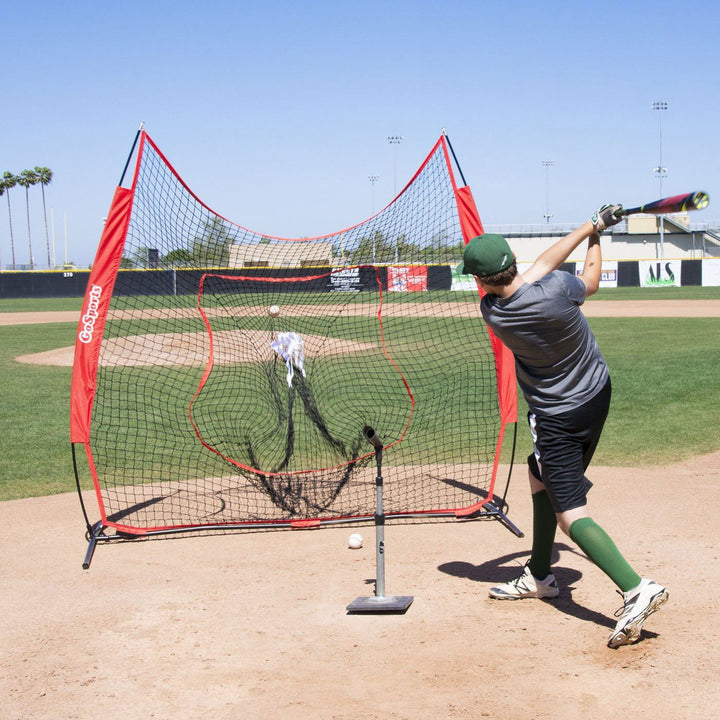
pixel 200 406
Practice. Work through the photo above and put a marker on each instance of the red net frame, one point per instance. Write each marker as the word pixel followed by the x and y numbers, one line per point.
pixel 380 287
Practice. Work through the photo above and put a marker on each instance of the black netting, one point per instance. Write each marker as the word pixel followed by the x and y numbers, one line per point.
pixel 211 409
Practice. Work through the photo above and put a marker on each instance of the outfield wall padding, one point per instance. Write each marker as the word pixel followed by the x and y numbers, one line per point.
pixel 56 283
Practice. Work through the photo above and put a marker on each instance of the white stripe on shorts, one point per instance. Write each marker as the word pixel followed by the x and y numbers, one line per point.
pixel 532 420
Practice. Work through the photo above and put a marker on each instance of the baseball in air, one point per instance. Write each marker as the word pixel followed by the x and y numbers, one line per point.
pixel 355 541
pixel 273 311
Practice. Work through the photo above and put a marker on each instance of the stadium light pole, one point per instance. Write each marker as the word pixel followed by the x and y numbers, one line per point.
pixel 661 172
pixel 373 179
pixel 547 164
pixel 395 140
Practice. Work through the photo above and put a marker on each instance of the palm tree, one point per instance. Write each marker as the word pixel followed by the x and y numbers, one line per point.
pixel 44 176
pixel 26 179
pixel 2 192
pixel 9 181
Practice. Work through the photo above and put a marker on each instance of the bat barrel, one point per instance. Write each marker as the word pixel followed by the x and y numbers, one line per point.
pixel 677 203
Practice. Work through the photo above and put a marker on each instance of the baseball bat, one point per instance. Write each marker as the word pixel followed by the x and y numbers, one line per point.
pixel 677 203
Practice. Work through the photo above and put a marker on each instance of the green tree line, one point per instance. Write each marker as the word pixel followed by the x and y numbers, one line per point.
pixel 211 249
pixel 377 248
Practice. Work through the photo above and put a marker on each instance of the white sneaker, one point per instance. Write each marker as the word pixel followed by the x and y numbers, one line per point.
pixel 639 603
pixel 526 586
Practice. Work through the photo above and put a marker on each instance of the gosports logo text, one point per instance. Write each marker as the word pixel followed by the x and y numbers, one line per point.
pixel 91 315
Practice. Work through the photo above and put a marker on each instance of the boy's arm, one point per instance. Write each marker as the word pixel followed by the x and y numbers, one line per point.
pixel 552 258
pixel 593 266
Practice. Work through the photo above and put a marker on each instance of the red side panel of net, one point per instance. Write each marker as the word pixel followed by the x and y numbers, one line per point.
pixel 94 312
pixel 505 361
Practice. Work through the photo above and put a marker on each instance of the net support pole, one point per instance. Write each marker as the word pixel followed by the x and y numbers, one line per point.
pixel 457 164
pixel 93 536
pixel 130 154
pixel 379 603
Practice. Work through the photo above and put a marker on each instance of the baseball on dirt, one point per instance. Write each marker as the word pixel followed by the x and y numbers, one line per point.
pixel 273 311
pixel 355 541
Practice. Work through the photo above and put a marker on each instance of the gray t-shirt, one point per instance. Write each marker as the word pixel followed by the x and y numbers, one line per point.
pixel 557 359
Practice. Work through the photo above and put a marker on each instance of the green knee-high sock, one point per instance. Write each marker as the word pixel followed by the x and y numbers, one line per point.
pixel 544 526
pixel 600 548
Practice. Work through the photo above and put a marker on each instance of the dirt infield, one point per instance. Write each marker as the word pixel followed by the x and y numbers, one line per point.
pixel 187 349
pixel 593 308
pixel 128 355
pixel 255 625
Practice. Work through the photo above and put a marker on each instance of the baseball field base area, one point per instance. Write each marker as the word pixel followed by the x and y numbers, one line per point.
pixel 255 625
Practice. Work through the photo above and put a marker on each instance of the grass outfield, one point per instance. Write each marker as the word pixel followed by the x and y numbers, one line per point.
pixel 635 293
pixel 659 293
pixel 665 389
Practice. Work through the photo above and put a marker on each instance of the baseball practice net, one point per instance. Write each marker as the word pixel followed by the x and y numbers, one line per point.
pixel 225 378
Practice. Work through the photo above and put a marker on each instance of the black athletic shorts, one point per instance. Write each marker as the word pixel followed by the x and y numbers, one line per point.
pixel 563 447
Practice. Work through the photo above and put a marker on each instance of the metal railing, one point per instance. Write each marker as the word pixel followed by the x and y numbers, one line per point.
pixel 510 229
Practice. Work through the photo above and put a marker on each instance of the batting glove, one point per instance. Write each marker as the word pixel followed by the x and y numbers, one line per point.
pixel 606 216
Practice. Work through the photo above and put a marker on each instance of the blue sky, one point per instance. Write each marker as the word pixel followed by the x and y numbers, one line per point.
pixel 275 113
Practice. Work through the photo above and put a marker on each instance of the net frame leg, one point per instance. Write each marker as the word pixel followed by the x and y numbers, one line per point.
pixel 492 510
pixel 499 504
pixel 95 534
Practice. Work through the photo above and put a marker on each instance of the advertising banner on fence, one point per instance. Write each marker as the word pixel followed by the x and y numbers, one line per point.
pixel 711 272
pixel 462 282
pixel 608 274
pixel 346 279
pixel 407 278
pixel 659 273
